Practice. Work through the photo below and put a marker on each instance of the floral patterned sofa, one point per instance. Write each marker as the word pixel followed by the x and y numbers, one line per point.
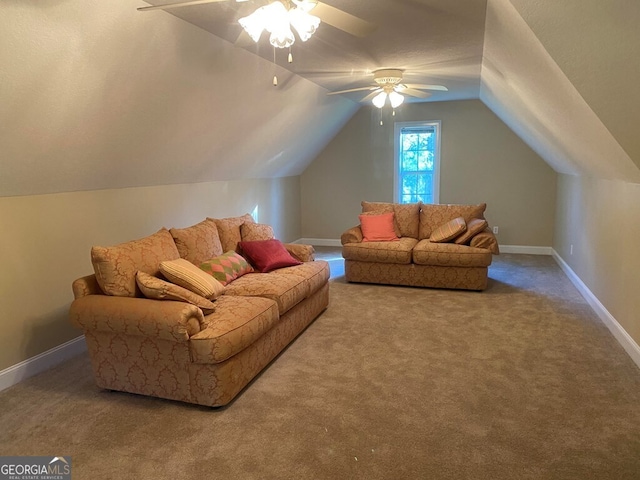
pixel 442 246
pixel 149 336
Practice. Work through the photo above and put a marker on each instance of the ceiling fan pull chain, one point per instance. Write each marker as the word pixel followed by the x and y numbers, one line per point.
pixel 381 122
pixel 290 58
pixel 275 66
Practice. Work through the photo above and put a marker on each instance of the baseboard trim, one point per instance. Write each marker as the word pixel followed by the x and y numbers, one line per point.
pixel 620 334
pixel 320 242
pixel 524 249
pixel 34 365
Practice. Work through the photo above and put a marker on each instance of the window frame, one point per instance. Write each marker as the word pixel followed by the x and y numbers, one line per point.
pixel 397 178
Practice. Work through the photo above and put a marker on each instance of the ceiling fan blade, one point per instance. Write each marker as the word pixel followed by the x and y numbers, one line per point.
pixel 414 93
pixel 441 88
pixel 167 6
pixel 343 20
pixel 371 95
pixel 352 90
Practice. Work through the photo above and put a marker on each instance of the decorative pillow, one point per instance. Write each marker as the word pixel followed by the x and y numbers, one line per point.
pixel 187 275
pixel 226 267
pixel 198 242
pixel 378 228
pixel 407 219
pixel 158 289
pixel 448 231
pixel 267 255
pixel 229 230
pixel 255 231
pixel 115 267
pixel 474 226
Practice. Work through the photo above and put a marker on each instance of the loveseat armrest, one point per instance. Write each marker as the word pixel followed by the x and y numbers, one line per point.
pixel 304 253
pixel 353 235
pixel 486 239
pixel 86 286
pixel 165 319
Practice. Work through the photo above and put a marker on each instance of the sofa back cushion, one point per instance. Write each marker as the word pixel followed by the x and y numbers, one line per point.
pixel 433 216
pixel 229 231
pixel 250 232
pixel 199 242
pixel 115 267
pixel 407 216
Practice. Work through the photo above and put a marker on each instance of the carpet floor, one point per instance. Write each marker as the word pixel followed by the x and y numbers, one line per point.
pixel 521 381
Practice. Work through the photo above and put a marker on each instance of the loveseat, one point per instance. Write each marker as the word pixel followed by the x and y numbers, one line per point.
pixel 426 245
pixel 148 334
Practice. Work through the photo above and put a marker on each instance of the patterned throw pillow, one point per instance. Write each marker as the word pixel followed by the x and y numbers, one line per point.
pixel 226 267
pixel 256 231
pixel 474 227
pixel 187 275
pixel 268 255
pixel 378 228
pixel 158 289
pixel 448 231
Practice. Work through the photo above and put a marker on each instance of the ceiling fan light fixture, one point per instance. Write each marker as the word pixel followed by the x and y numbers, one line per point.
pixel 395 99
pixel 254 24
pixel 380 99
pixel 304 23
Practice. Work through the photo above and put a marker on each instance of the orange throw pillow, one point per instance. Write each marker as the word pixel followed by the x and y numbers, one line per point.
pixel 378 228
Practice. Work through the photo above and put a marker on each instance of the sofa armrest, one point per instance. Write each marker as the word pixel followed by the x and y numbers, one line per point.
pixel 353 235
pixel 304 253
pixel 486 239
pixel 168 320
pixel 86 286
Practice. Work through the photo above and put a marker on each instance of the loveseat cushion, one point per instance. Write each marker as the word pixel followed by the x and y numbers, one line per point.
pixel 229 230
pixel 115 267
pixel 407 215
pixel 237 323
pixel 199 242
pixel 450 255
pixel 380 252
pixel 434 215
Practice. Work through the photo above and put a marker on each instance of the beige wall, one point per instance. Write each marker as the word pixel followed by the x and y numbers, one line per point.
pixel 601 219
pixel 482 161
pixel 47 239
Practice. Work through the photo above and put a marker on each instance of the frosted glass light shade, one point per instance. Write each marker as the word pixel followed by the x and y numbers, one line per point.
pixel 380 99
pixel 395 99
pixel 254 24
pixel 304 23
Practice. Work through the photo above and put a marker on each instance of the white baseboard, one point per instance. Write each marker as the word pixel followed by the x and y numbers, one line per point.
pixel 320 242
pixel 34 365
pixel 620 334
pixel 524 249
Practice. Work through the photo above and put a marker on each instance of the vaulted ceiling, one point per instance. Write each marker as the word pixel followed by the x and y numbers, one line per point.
pixel 95 94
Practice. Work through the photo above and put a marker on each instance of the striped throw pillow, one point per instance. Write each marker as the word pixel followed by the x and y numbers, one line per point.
pixel 184 273
pixel 448 231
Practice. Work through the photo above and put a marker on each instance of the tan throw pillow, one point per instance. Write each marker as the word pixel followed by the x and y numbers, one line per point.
pixel 448 231
pixel 474 226
pixel 250 232
pixel 187 275
pixel 198 242
pixel 158 289
pixel 229 231
pixel 115 267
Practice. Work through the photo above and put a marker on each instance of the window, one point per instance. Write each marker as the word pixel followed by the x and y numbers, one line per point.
pixel 417 162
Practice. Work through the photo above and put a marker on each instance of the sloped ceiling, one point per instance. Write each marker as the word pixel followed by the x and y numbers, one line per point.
pixel 97 95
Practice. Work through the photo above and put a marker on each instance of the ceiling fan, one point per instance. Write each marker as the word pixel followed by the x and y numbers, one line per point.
pixel 388 84
pixel 326 13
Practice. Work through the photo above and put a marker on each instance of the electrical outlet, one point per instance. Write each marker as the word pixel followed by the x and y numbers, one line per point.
pixel 571 249
pixel 495 230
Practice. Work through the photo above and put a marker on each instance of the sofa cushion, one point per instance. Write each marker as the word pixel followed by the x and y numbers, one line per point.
pixel 449 230
pixel 285 289
pixel 378 227
pixel 267 255
pixel 158 289
pixel 256 231
pixel 380 252
pixel 315 274
pixel 187 275
pixel 226 267
pixel 199 242
pixel 229 230
pixel 450 255
pixel 474 226
pixel 407 215
pixel 116 267
pixel 432 216
pixel 237 323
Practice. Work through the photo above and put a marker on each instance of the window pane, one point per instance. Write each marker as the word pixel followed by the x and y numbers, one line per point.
pixel 409 141
pixel 425 160
pixel 409 161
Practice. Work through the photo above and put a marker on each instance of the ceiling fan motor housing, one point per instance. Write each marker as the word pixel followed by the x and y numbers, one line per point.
pixel 387 76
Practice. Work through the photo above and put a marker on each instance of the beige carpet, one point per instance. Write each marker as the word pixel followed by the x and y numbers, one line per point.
pixel 521 381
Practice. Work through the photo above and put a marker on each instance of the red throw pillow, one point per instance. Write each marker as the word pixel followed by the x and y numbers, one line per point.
pixel 378 228
pixel 267 255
